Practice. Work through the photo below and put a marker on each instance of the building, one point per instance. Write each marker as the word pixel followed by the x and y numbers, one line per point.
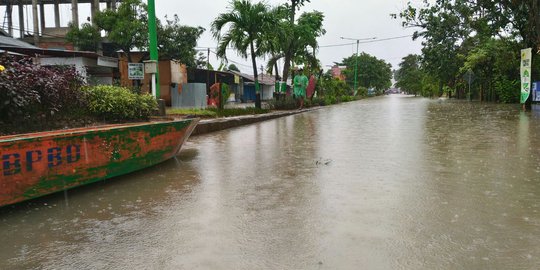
pixel 267 84
pixel 38 33
pixel 95 68
pixel 336 72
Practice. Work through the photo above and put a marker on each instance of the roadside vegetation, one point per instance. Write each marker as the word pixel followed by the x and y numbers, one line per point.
pixel 37 98
pixel 215 112
pixel 471 49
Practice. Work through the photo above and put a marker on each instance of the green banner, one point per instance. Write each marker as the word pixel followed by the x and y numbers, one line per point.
pixel 526 59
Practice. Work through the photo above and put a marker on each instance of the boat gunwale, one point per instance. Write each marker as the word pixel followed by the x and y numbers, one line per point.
pixel 82 130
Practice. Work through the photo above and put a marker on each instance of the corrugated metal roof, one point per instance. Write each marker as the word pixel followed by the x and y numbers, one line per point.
pixel 263 78
pixel 48 52
pixel 7 41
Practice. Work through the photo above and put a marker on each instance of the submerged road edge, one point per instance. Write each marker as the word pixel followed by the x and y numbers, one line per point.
pixel 218 124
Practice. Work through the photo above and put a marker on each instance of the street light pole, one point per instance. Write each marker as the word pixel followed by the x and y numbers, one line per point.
pixel 356 59
pixel 356 67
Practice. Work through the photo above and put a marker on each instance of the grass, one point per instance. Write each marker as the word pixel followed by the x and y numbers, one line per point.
pixel 214 113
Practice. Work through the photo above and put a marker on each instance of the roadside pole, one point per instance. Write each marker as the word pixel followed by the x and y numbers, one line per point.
pixel 153 44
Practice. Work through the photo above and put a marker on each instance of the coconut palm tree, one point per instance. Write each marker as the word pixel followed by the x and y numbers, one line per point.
pixel 247 24
pixel 296 43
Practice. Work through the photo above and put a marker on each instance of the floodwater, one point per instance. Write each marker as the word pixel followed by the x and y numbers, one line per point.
pixel 392 182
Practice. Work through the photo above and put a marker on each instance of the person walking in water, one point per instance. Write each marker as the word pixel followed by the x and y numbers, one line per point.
pixel 300 83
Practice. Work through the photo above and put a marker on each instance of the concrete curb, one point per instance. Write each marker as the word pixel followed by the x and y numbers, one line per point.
pixel 211 125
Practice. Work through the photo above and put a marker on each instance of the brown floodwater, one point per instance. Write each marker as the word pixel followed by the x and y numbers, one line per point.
pixel 393 182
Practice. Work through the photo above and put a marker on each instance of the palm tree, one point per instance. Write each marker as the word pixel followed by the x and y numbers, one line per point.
pixel 296 43
pixel 248 24
pixel 275 38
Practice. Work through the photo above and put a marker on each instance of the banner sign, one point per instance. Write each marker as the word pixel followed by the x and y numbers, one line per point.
pixel 136 71
pixel 526 58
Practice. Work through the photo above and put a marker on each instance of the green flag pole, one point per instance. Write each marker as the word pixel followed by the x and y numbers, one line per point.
pixel 153 40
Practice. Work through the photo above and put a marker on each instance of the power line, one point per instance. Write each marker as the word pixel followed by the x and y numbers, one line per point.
pixel 363 42
pixel 234 62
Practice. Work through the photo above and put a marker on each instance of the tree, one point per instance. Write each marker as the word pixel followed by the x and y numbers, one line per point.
pixel 372 72
pixel 127 26
pixel 87 38
pixel 233 67
pixel 298 41
pixel 409 75
pixel 247 24
pixel 462 35
pixel 201 61
pixel 291 44
pixel 177 41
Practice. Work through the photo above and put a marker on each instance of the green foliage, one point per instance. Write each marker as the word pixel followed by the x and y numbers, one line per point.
pixel 34 95
pixel 362 91
pixel 247 24
pixel 238 111
pixel 203 113
pixel 294 41
pixel 409 76
pixel 483 37
pixel 233 67
pixel 328 86
pixel 177 41
pixel 87 38
pixel 214 112
pixel 127 26
pixel 288 103
pixel 506 90
pixel 114 103
pixel 329 100
pixel 225 93
pixel 346 98
pixel 372 72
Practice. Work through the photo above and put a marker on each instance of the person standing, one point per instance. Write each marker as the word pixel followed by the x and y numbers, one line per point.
pixel 300 83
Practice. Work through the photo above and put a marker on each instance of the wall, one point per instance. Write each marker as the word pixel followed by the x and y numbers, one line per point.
pixel 191 95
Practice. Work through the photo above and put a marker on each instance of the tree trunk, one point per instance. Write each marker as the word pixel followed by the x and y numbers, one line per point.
pixel 286 67
pixel 255 76
pixel 288 53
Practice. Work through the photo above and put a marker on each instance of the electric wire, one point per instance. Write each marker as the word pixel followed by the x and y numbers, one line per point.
pixel 363 42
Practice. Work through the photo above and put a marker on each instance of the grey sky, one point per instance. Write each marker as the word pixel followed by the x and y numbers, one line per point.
pixel 347 18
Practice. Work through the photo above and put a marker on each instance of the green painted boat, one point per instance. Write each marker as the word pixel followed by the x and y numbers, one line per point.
pixel 37 164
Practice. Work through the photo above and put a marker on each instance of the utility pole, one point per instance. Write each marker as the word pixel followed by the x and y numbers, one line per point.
pixel 356 60
pixel 153 42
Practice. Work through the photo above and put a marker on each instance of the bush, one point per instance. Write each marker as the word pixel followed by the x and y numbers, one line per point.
pixel 346 98
pixel 113 103
pixel 328 86
pixel 225 94
pixel 288 103
pixel 36 95
pixel 329 100
pixel 506 90
pixel 362 91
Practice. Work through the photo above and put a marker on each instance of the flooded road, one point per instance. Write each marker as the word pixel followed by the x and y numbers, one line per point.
pixel 392 182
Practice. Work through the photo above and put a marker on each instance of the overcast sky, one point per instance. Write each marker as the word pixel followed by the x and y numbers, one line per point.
pixel 343 18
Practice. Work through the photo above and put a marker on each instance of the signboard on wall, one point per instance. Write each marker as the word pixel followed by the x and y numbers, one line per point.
pixel 135 71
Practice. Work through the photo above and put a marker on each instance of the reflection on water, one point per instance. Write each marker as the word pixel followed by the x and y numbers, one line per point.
pixel 386 183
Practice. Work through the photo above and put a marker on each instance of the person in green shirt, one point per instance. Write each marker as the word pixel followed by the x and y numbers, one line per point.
pixel 300 83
